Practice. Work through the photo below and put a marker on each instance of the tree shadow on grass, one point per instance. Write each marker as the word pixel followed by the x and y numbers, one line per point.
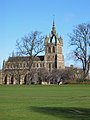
pixel 70 113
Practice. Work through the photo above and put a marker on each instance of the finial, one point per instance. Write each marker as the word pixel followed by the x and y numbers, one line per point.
pixel 53 27
pixel 53 21
pixel 3 63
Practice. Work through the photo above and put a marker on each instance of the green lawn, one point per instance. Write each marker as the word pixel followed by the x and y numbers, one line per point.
pixel 54 102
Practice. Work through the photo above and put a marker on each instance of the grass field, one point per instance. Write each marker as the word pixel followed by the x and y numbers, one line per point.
pixel 65 102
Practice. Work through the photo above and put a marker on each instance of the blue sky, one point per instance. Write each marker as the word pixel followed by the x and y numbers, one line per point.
pixel 20 17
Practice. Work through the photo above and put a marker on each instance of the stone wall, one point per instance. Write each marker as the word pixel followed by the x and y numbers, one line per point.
pixel 0 77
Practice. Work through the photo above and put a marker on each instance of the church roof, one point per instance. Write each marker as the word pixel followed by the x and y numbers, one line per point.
pixel 24 58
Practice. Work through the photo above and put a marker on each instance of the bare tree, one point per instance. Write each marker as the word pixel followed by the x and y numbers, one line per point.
pixel 37 76
pixel 58 75
pixel 80 41
pixel 30 45
pixel 42 75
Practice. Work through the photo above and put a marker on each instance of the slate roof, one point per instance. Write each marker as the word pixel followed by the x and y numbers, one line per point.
pixel 24 58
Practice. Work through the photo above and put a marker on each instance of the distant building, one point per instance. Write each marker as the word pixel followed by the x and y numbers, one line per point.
pixel 53 58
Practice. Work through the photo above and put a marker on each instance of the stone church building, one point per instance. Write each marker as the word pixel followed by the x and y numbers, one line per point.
pixel 53 58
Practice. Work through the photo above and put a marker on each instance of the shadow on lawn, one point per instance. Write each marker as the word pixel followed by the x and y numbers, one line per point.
pixel 69 113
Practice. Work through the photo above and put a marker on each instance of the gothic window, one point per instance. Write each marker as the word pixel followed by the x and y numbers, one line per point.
pixel 25 79
pixel 49 50
pixel 11 66
pixel 37 64
pixel 5 80
pixel 14 65
pixel 40 64
pixel 17 65
pixel 12 80
pixel 24 65
pixel 53 49
pixel 53 66
pixel 49 65
pixel 33 64
pixel 20 65
pixel 43 64
pixel 27 64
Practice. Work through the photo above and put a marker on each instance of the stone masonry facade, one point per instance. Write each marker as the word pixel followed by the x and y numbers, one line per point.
pixel 53 59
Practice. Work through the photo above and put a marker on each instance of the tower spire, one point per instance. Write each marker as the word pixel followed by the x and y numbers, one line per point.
pixel 53 28
pixel 53 23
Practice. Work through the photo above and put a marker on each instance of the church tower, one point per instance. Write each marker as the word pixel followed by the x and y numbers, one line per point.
pixel 53 50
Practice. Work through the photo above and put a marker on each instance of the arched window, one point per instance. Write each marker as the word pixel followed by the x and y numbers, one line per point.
pixel 17 65
pixel 33 64
pixel 53 65
pixel 50 67
pixel 25 80
pixel 20 65
pixel 11 66
pixel 24 65
pixel 14 65
pixel 49 50
pixel 43 65
pixel 12 80
pixel 40 64
pixel 37 64
pixel 53 49
pixel 5 80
